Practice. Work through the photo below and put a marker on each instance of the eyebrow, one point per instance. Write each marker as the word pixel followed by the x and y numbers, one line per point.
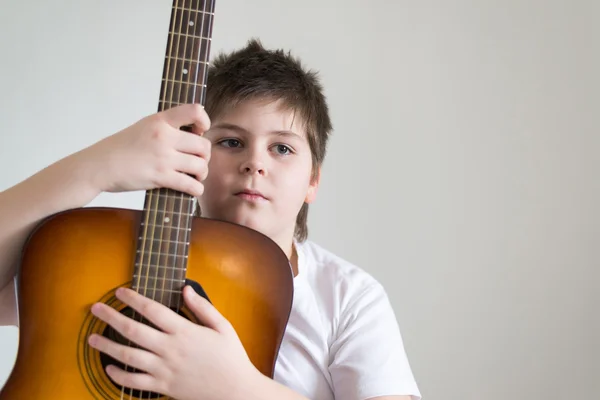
pixel 239 129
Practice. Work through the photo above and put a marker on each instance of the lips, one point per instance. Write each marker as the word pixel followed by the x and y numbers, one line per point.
pixel 251 194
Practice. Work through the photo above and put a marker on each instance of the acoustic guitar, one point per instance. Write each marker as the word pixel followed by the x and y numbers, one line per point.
pixel 78 257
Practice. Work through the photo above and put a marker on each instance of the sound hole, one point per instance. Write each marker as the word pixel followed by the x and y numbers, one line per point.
pixel 115 336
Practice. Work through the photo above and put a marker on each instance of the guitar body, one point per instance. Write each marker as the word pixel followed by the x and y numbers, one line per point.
pixel 82 256
pixel 78 257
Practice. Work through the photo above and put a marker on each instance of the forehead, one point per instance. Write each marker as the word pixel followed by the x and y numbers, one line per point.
pixel 258 116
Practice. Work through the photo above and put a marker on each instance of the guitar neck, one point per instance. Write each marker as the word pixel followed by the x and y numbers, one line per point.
pixel 163 242
pixel 187 53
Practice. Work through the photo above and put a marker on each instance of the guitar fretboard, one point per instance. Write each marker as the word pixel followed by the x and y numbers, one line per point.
pixel 163 240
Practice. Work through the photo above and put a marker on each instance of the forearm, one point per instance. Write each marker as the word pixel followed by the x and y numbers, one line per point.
pixel 66 184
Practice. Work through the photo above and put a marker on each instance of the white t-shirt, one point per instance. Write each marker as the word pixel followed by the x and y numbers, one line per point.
pixel 342 340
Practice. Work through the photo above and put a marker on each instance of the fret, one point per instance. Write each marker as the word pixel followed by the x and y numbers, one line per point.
pixel 157 290
pixel 174 204
pixel 168 297
pixel 144 273
pixel 164 231
pixel 186 60
pixel 185 229
pixel 157 282
pixel 177 92
pixel 170 202
pixel 192 22
pixel 171 219
pixel 177 197
pixel 184 71
pixel 162 267
pixel 189 9
pixel 176 242
pixel 171 291
pixel 185 35
pixel 171 196
pixel 165 227
pixel 152 253
pixel 184 83
pixel 174 259
pixel 188 49
pixel 197 4
pixel 158 279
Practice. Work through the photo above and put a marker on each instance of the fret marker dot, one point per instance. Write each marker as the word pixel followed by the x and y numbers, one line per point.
pixel 191 23
pixel 167 220
pixel 185 71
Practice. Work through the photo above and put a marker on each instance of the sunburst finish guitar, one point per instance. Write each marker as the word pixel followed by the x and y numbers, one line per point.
pixel 78 257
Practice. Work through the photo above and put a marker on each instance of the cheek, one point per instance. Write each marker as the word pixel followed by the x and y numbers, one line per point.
pixel 215 182
pixel 218 166
pixel 295 186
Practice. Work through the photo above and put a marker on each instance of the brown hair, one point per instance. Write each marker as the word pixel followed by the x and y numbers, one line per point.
pixel 255 72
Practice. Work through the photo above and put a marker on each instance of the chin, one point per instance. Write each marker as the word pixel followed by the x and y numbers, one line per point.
pixel 240 218
pixel 250 222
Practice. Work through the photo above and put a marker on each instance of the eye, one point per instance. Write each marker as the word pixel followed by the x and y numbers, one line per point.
pixel 283 150
pixel 230 143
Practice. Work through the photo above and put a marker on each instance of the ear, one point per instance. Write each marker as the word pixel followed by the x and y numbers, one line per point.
pixel 312 189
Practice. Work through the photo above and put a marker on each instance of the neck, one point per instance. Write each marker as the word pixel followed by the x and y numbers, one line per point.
pixel 286 242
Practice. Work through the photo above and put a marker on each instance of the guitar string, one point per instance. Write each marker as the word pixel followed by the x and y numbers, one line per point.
pixel 152 209
pixel 140 267
pixel 151 194
pixel 166 201
pixel 191 25
pixel 180 100
pixel 205 60
pixel 149 210
pixel 192 84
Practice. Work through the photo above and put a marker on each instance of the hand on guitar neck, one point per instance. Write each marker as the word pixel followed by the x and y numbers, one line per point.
pixel 149 154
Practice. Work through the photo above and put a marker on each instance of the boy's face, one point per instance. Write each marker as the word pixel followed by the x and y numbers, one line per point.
pixel 260 169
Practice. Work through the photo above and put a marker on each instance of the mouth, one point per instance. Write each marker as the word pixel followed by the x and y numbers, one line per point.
pixel 251 195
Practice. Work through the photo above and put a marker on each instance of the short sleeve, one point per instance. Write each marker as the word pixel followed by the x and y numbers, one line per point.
pixel 368 358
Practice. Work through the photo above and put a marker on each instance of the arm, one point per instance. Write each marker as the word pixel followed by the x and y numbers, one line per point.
pixel 151 153
pixel 61 186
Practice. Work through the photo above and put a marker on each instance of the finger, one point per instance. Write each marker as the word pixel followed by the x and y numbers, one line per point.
pixel 182 182
pixel 161 316
pixel 206 313
pixel 133 380
pixel 193 165
pixel 130 356
pixel 142 334
pixel 194 144
pixel 188 114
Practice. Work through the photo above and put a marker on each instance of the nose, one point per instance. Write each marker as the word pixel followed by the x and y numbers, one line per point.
pixel 253 165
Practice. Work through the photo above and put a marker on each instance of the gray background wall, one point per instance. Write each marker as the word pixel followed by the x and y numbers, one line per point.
pixel 462 172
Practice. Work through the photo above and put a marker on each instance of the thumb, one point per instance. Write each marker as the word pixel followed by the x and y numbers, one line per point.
pixel 206 313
